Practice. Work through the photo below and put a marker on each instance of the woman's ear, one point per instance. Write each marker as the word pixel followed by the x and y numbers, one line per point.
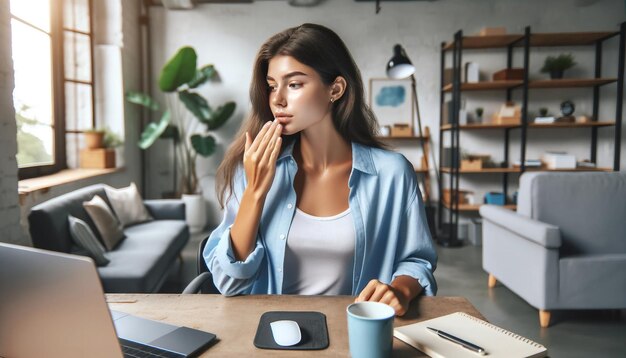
pixel 337 88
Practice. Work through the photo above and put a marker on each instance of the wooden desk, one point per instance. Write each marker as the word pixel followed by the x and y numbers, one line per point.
pixel 235 319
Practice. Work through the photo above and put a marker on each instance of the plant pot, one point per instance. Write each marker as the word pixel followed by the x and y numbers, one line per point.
pixel 94 140
pixel 195 212
pixel 556 74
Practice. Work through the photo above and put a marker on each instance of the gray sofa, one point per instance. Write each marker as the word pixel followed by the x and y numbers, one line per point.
pixel 140 263
pixel 565 247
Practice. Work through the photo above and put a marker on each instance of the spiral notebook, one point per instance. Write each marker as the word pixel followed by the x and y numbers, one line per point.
pixel 496 341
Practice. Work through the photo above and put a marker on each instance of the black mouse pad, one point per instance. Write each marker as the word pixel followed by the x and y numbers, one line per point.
pixel 312 328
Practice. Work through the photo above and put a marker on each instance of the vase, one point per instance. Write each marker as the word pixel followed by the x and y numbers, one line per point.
pixel 195 212
pixel 94 140
pixel 556 74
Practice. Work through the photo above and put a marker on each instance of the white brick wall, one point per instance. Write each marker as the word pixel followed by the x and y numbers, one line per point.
pixel 10 230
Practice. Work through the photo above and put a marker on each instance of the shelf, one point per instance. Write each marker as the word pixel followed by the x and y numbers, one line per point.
pixel 517 170
pixel 480 42
pixel 536 40
pixel 415 137
pixel 510 84
pixel 486 85
pixel 472 126
pixel 476 207
pixel 571 125
pixel 477 126
pixel 420 170
pixel 483 170
pixel 580 169
pixel 571 82
pixel 567 38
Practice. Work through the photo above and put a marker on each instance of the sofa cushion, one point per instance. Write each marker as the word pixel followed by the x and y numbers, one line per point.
pixel 588 208
pixel 48 224
pixel 108 226
pixel 86 239
pixel 127 205
pixel 143 259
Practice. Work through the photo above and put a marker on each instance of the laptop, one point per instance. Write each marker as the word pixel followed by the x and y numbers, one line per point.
pixel 52 305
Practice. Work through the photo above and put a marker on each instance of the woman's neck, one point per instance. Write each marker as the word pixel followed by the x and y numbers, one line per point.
pixel 321 147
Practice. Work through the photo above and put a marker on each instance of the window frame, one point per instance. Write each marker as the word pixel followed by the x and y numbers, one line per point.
pixel 57 45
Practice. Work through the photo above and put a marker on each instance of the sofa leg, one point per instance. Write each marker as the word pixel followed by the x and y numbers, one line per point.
pixel 492 281
pixel 544 318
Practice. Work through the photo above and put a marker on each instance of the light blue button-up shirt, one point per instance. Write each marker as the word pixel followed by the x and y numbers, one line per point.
pixel 392 236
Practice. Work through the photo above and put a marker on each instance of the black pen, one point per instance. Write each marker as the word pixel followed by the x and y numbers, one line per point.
pixel 459 341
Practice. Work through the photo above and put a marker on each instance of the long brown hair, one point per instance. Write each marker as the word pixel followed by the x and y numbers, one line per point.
pixel 323 50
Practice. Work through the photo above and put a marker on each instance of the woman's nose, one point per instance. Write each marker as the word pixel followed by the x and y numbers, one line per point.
pixel 279 98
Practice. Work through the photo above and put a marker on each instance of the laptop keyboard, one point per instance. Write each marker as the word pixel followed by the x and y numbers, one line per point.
pixel 137 350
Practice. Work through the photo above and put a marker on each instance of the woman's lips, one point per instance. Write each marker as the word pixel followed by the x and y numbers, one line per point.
pixel 283 119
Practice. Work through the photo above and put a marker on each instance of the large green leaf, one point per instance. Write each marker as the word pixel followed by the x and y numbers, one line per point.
pixel 154 131
pixel 202 75
pixel 203 145
pixel 196 104
pixel 179 70
pixel 220 116
pixel 142 99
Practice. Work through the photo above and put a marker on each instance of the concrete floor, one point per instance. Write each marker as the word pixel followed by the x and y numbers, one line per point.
pixel 460 273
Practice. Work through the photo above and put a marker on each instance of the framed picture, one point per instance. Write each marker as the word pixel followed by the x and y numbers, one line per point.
pixel 391 101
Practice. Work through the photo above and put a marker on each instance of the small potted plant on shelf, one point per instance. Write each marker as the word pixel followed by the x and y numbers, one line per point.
pixel 99 149
pixel 555 66
pixel 479 114
pixel 94 138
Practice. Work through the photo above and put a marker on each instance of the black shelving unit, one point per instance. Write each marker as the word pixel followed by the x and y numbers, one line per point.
pixel 447 221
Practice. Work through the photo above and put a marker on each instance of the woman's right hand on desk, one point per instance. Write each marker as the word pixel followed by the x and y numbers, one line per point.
pixel 259 158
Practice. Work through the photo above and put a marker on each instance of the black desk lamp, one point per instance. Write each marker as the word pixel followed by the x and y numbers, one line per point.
pixel 400 67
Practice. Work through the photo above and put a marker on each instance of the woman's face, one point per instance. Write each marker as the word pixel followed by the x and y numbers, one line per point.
pixel 297 92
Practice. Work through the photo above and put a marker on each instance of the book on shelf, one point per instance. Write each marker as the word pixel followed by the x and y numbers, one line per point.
pixel 528 163
pixel 559 160
pixel 545 120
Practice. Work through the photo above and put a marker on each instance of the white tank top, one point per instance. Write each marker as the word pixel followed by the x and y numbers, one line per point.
pixel 319 256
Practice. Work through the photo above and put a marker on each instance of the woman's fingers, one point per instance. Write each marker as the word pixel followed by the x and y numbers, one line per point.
pixel 271 146
pixel 367 291
pixel 248 142
pixel 379 292
pixel 269 134
pixel 257 139
pixel 275 150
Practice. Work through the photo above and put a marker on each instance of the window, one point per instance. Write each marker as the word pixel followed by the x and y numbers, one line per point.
pixel 53 96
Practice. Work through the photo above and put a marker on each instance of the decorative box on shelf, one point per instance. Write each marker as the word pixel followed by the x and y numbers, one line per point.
pixel 99 158
pixel 401 130
pixel 509 74
pixel 495 198
pixel 509 113
pixel 463 196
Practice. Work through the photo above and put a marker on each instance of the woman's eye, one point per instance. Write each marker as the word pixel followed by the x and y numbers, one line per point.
pixel 270 87
pixel 295 85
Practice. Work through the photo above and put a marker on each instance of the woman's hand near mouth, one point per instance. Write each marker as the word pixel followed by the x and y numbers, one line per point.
pixel 260 156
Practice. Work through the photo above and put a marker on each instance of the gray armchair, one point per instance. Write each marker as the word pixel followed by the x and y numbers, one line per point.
pixel 565 247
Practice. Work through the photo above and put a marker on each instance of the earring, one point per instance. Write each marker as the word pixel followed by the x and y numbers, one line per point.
pixel 332 99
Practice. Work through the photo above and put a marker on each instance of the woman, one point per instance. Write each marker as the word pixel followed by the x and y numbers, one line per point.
pixel 314 203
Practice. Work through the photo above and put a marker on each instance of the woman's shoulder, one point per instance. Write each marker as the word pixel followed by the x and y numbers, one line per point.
pixel 389 162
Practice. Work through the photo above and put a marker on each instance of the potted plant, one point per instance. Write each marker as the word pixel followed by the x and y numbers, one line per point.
pixel 94 138
pixel 179 80
pixel 479 114
pixel 555 66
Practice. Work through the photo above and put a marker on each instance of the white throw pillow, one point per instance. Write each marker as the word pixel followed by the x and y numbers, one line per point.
pixel 128 205
pixel 107 224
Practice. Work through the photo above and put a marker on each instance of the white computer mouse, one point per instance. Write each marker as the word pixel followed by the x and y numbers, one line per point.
pixel 285 332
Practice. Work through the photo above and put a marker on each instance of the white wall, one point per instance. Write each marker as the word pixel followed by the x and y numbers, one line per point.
pixel 127 116
pixel 229 35
pixel 10 231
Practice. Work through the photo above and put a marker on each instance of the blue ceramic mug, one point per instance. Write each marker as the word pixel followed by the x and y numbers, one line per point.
pixel 370 329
